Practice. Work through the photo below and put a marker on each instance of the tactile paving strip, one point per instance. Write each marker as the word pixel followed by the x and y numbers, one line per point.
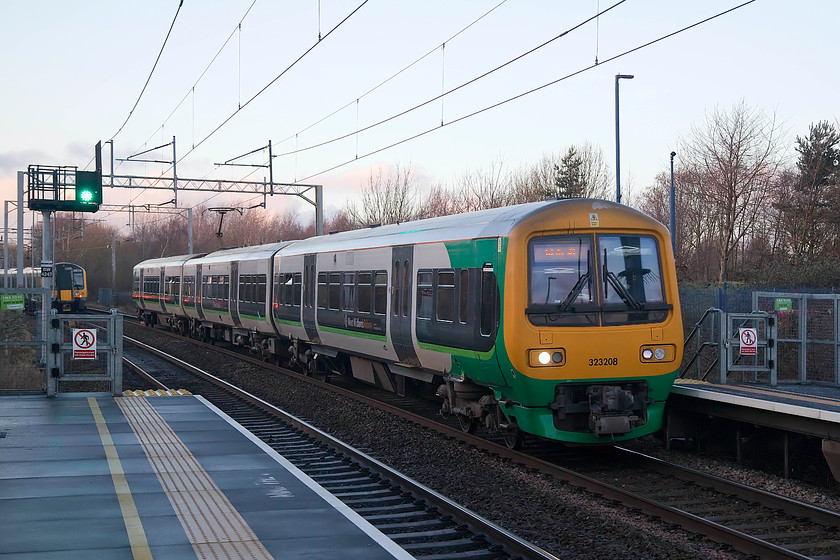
pixel 214 527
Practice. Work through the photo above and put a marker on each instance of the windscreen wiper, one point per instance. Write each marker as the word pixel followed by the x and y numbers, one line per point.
pixel 576 290
pixel 623 293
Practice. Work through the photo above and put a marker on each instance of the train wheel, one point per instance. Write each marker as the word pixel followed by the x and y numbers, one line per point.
pixel 468 425
pixel 513 439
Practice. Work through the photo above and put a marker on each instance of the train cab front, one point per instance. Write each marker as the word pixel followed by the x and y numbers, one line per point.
pixel 597 342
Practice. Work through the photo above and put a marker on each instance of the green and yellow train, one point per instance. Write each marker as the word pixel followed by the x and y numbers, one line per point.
pixel 558 318
pixel 70 290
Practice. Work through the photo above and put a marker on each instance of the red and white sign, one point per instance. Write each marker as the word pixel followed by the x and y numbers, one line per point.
pixel 84 344
pixel 749 341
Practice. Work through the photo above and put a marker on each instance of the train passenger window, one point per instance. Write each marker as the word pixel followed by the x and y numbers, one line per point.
pixel 380 292
pixel 463 295
pixel 395 289
pixel 445 302
pixel 348 295
pixel 309 283
pixel 283 288
pixel 335 291
pixel 406 290
pixel 296 292
pixel 488 303
pixel 364 292
pixel 322 290
pixel 261 287
pixel 226 285
pixel 425 294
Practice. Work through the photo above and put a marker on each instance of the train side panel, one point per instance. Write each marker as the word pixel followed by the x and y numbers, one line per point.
pixel 351 310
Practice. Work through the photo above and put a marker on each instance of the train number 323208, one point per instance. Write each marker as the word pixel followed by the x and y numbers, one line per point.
pixel 603 361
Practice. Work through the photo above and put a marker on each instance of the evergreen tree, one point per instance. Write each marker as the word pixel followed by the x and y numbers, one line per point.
pixel 569 181
pixel 812 211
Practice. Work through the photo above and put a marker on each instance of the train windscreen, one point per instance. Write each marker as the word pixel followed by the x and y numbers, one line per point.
pixel 78 279
pixel 595 280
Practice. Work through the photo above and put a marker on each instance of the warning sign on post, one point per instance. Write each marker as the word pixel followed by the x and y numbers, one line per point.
pixel 84 344
pixel 749 342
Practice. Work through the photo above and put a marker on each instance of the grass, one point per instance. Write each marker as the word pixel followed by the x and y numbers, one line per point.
pixel 18 369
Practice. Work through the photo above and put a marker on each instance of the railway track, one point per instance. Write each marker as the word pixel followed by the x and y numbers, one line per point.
pixel 424 523
pixel 748 519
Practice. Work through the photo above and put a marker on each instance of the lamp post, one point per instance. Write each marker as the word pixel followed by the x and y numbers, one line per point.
pixel 617 144
pixel 673 206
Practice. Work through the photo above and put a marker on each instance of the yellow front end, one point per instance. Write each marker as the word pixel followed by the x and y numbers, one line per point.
pixel 592 324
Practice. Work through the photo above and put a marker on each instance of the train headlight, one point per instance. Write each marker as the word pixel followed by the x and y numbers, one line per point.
pixel 547 358
pixel 658 353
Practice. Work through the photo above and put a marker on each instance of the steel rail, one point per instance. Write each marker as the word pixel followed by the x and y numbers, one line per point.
pixel 513 544
pixel 742 542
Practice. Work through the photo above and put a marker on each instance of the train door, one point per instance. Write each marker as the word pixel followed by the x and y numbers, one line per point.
pixel 141 289
pixel 309 299
pixel 199 292
pixel 162 290
pixel 234 293
pixel 402 273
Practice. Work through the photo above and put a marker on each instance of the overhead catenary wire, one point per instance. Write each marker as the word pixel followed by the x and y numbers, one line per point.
pixel 528 92
pixel 454 89
pixel 136 103
pixel 274 80
pixel 269 84
pixel 191 90
pixel 382 83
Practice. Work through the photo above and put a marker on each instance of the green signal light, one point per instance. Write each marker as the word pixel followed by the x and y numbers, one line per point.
pixel 88 190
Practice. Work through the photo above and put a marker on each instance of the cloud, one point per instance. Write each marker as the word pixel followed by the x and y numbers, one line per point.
pixel 11 162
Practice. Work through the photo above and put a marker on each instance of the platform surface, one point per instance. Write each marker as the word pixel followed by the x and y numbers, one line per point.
pixel 818 402
pixel 97 477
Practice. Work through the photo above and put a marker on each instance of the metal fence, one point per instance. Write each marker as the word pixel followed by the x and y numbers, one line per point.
pixel 807 335
pixel 808 329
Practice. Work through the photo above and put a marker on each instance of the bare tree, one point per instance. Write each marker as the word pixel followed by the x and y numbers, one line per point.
pixel 387 199
pixel 595 171
pixel 531 184
pixel 731 161
pixel 485 188
pixel 440 202
pixel 695 242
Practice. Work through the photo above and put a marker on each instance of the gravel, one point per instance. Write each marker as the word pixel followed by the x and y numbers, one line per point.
pixel 564 520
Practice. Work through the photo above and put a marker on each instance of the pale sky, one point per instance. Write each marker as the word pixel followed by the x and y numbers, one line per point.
pixel 74 70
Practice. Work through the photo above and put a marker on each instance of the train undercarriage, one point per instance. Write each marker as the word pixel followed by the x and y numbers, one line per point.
pixel 602 409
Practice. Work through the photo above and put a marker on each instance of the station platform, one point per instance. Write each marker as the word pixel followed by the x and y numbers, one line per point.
pixel 96 476
pixel 803 409
pixel 808 409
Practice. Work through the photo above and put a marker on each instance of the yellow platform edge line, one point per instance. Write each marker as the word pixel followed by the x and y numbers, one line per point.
pixel 156 393
pixel 133 526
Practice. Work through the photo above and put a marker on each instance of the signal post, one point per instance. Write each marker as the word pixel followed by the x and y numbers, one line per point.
pixel 59 189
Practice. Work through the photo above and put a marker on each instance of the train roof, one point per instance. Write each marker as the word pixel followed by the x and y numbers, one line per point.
pixel 243 253
pixel 495 222
pixel 174 260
